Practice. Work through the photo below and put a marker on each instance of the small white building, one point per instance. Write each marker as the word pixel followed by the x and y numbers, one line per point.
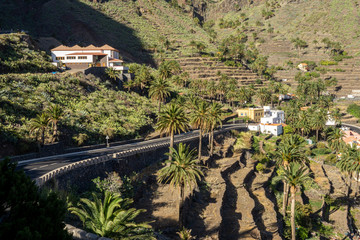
pixel 272 116
pixel 273 129
pixel 90 56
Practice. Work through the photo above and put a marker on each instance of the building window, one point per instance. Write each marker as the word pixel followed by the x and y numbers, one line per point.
pixel 70 58
pixel 60 58
pixel 82 57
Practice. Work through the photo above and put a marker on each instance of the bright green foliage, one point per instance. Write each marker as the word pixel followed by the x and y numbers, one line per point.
pixel 111 217
pixel 25 211
pixel 18 56
pixel 354 110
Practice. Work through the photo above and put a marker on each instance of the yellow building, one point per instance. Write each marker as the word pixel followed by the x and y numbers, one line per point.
pixel 254 114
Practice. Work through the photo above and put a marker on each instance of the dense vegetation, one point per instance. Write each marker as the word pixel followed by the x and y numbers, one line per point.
pixel 17 55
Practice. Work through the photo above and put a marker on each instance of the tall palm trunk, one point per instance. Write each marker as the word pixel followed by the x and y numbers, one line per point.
pixel 285 198
pixel 293 233
pixel 43 137
pixel 200 144
pixel 349 185
pixel 286 193
pixel 181 206
pixel 317 135
pixel 159 107
pixel 171 144
pixel 356 185
pixel 55 137
pixel 212 143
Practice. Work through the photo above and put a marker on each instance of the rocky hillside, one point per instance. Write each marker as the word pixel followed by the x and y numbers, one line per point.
pixel 237 201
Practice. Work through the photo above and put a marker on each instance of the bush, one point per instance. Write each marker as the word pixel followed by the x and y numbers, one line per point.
pixel 321 145
pixel 260 167
pixel 321 151
pixel 331 159
pixel 258 81
pixel 354 110
pixel 328 63
pixel 321 70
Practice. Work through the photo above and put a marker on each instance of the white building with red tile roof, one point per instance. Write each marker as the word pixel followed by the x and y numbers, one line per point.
pixel 90 56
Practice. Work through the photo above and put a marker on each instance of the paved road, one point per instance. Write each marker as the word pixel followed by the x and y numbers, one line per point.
pixel 39 166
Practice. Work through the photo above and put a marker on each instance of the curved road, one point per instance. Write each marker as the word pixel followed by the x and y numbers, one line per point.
pixel 37 167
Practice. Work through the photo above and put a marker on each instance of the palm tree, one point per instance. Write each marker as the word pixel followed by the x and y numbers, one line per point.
pixel 112 73
pixel 214 120
pixel 55 113
pixel 199 119
pixel 111 217
pixel 350 163
pixel 318 121
pixel 335 136
pixel 182 171
pixel 172 120
pixel 39 125
pixel 344 164
pixel 143 77
pixel 168 68
pixel 159 90
pixel 263 95
pixel 291 149
pixel 295 175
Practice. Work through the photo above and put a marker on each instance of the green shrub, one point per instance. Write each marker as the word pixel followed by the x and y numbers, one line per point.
pixel 321 151
pixel 260 167
pixel 354 110
pixel 331 159
pixel 321 70
pixel 328 63
pixel 338 70
pixel 258 81
pixel 321 145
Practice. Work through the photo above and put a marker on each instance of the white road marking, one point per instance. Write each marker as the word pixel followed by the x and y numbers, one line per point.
pixel 44 166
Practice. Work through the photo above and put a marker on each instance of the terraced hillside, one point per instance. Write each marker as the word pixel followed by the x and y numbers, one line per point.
pixel 235 201
pixel 210 69
pixel 346 72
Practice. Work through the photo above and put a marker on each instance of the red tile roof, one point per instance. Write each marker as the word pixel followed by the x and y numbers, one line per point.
pixel 78 48
pixel 115 60
pixel 88 53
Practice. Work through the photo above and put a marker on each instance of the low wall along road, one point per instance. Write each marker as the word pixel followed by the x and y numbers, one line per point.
pixel 124 162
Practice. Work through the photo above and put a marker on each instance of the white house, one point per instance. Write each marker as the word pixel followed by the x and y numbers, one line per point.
pixel 272 122
pixel 272 116
pixel 90 56
pixel 273 129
